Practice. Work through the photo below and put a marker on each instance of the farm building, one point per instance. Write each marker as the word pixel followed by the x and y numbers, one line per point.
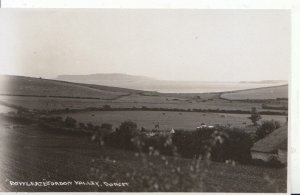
pixel 273 146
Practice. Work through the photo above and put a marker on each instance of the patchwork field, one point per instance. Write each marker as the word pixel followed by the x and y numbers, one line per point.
pixel 166 120
pixel 31 151
pixel 43 94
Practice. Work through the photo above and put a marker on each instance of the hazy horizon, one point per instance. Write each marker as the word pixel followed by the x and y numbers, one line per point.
pixel 55 77
pixel 171 45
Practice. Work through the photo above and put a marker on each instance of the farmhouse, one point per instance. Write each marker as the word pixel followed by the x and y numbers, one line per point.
pixel 273 146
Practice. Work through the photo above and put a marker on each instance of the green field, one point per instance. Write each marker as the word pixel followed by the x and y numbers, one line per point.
pixel 166 120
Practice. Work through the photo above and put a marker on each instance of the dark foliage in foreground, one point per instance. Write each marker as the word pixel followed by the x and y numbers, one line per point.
pixel 221 143
pixel 266 128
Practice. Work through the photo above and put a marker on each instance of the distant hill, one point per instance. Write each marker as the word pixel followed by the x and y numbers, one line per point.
pixel 29 86
pixel 273 82
pixel 104 78
pixel 163 86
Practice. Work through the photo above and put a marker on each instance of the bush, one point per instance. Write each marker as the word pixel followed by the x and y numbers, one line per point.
pixel 235 145
pixel 101 133
pixel 122 137
pixel 160 142
pixel 82 126
pixel 191 144
pixel 266 128
pixel 90 126
pixel 275 163
pixel 221 143
pixel 106 126
pixel 255 116
pixel 70 122
pixel 106 107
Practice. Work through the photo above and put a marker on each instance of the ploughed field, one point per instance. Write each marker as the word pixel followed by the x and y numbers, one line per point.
pixel 166 120
pixel 30 152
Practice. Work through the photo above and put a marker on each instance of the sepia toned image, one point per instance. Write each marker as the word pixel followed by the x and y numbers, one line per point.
pixel 144 100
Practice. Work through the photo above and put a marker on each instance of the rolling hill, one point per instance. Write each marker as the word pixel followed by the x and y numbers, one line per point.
pixel 260 93
pixel 164 86
pixel 45 94
pixel 29 86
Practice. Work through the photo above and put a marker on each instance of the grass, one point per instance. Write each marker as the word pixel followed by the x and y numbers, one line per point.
pixel 31 153
pixel 17 85
pixel 166 120
pixel 43 94
pixel 260 93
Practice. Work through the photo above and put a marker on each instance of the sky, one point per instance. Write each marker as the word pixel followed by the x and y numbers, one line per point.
pixel 202 45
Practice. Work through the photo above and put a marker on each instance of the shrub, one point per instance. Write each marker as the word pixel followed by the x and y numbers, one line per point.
pixel 106 126
pixel 160 142
pixel 144 108
pixel 266 128
pixel 191 144
pixel 255 116
pixel 106 107
pixel 101 133
pixel 122 137
pixel 82 126
pixel 221 143
pixel 70 122
pixel 90 126
pixel 274 162
pixel 235 145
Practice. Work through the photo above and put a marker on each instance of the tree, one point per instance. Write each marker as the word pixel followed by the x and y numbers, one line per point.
pixel 106 107
pixel 106 126
pixel 266 128
pixel 255 116
pixel 125 133
pixel 70 122
pixel 82 126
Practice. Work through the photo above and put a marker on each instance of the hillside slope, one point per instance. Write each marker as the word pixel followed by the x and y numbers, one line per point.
pixel 163 86
pixel 32 153
pixel 259 93
pixel 29 86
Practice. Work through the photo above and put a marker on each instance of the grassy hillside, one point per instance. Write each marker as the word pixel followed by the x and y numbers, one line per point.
pixel 18 85
pixel 260 93
pixel 34 153
pixel 44 94
pixel 166 120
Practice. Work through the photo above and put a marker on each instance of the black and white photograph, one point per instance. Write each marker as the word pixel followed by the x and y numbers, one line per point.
pixel 144 100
